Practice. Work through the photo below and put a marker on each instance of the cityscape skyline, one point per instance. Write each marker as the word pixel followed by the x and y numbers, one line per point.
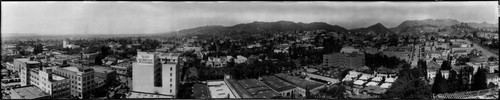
pixel 250 50
pixel 159 17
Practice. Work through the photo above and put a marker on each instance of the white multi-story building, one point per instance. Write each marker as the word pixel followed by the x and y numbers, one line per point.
pixel 82 81
pixel 216 62
pixel 155 73
pixel 23 66
pixel 50 83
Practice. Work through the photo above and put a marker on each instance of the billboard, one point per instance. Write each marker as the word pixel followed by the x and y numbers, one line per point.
pixel 145 58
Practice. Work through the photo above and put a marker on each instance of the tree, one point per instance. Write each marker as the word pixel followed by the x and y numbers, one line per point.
pixel 452 81
pixel 422 65
pixel 409 86
pixel 492 85
pixel 446 65
pixel 479 79
pixel 440 85
pixel 336 92
pixel 38 49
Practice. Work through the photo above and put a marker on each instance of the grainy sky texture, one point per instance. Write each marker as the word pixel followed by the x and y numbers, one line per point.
pixel 154 17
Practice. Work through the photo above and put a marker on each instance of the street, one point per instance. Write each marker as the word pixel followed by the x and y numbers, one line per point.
pixel 485 52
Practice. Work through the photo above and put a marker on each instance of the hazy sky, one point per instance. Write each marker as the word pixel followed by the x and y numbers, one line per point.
pixel 153 17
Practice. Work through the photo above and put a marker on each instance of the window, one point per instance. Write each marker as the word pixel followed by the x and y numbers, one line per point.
pixel 170 74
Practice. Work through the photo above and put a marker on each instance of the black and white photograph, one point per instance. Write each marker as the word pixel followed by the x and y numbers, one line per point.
pixel 250 49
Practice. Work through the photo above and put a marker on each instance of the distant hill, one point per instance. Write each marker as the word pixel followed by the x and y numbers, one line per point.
pixel 257 27
pixel 427 24
pixel 483 25
pixel 286 26
pixel 434 25
pixel 376 29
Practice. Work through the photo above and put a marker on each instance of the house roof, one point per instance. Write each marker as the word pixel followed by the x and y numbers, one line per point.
pixel 359 82
pixel 492 76
pixel 390 79
pixel 365 76
pixel 377 79
pixel 372 84
pixel 374 89
pixel 385 85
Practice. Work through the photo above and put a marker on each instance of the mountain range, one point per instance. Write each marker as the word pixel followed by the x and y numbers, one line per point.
pixel 427 25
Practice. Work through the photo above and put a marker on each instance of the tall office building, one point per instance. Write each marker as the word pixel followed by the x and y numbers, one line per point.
pixel 81 79
pixel 155 73
pixel 23 66
pixel 65 43
pixel 54 85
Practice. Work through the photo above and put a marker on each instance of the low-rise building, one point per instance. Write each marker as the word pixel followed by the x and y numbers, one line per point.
pixel 492 78
pixel 302 84
pixel 200 91
pixel 353 75
pixel 216 62
pixel 349 60
pixel 240 59
pixel 349 49
pixel 404 53
pixel 280 86
pixel 28 92
pixel 251 88
pixel 106 74
pixel 219 89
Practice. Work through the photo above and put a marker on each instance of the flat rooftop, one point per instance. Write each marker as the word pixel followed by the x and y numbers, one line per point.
pixel 78 69
pixel 135 94
pixel 28 92
pixel 102 69
pixel 302 83
pixel 27 61
pixel 219 89
pixel 238 88
pixel 200 91
pixel 277 84
pixel 257 89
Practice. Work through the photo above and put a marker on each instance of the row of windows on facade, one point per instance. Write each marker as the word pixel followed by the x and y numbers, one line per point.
pixel 75 77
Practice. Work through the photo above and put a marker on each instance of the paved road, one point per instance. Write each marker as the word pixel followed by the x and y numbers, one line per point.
pixel 415 57
pixel 485 52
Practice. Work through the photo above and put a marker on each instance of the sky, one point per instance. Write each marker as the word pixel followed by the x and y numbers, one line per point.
pixel 63 18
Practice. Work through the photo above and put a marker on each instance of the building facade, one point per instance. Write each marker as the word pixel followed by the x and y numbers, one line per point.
pixel 155 73
pixel 23 66
pixel 351 60
pixel 55 85
pixel 82 82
